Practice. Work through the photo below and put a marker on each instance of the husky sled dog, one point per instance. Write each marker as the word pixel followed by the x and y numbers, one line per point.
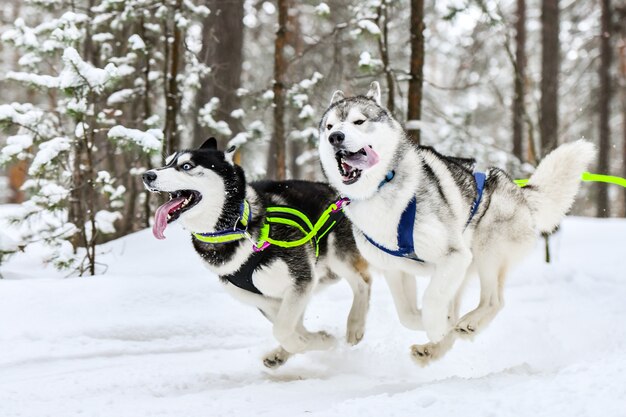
pixel 416 212
pixel 210 197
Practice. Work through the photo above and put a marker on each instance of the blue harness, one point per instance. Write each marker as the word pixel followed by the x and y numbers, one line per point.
pixel 406 248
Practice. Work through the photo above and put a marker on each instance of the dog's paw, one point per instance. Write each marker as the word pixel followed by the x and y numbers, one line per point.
pixel 424 354
pixel 276 358
pixel 355 332
pixel 467 327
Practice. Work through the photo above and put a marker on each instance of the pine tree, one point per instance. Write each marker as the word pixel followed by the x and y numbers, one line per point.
pixel 101 122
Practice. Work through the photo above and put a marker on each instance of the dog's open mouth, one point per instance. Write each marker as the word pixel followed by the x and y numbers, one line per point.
pixel 180 202
pixel 352 164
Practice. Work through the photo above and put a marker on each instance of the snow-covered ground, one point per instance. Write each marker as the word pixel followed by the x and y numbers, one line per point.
pixel 157 336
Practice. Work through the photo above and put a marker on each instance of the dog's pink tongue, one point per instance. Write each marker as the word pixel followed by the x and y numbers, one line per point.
pixel 364 161
pixel 160 217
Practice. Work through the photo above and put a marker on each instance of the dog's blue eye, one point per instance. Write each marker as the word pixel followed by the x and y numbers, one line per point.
pixel 359 122
pixel 186 167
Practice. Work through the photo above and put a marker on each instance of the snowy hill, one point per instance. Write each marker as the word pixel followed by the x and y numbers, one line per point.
pixel 157 335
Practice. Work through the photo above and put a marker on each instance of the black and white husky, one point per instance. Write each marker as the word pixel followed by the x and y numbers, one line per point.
pixel 210 197
pixel 416 212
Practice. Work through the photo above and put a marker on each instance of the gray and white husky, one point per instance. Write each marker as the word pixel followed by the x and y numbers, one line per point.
pixel 448 230
pixel 209 196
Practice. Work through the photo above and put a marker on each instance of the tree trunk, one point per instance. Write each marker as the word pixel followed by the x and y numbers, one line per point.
pixel 222 50
pixel 604 107
pixel 295 148
pixel 550 61
pixel 383 47
pixel 172 64
pixel 520 78
pixel 144 218
pixel 416 82
pixel 276 169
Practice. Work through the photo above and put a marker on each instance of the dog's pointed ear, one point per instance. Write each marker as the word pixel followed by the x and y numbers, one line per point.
pixel 337 96
pixel 210 143
pixel 374 92
pixel 229 155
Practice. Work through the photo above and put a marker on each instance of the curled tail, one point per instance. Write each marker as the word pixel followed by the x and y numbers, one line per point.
pixel 552 188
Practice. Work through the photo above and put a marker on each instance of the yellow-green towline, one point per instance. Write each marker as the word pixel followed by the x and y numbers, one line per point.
pixel 588 177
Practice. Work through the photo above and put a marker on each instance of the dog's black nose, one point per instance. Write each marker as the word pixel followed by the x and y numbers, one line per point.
pixel 149 176
pixel 336 138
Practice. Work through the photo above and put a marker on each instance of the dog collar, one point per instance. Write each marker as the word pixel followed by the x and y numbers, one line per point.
pixel 388 177
pixel 230 235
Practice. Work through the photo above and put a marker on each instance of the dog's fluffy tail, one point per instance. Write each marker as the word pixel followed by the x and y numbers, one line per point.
pixel 553 186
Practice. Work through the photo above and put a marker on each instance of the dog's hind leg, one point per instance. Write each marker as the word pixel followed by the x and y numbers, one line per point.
pixel 288 328
pixel 356 272
pixel 403 290
pixel 450 273
pixel 492 277
pixel 428 352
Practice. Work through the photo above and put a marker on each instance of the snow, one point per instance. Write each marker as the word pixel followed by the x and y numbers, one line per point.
pixel 48 151
pixel 158 335
pixel 51 193
pixel 23 114
pixel 307 112
pixel 240 139
pixel 205 118
pixel 310 83
pixel 237 114
pixel 370 27
pixel 102 37
pixel 7 243
pixel 199 10
pixel 268 95
pixel 299 100
pixel 322 9
pixel 45 81
pixel 77 105
pixel 120 96
pixel 105 220
pixel 15 145
pixel 150 140
pixel 78 72
pixel 366 60
pixel 136 43
pixel 29 59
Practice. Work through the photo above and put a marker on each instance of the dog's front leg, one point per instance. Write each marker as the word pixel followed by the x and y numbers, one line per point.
pixel 444 285
pixel 288 328
pixel 278 356
pixel 404 293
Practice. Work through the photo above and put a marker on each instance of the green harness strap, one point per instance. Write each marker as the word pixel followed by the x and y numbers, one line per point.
pixel 231 235
pixel 283 215
pixel 286 216
pixel 588 177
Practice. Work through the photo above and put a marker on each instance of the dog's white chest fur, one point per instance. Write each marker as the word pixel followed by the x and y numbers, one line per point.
pixel 272 280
